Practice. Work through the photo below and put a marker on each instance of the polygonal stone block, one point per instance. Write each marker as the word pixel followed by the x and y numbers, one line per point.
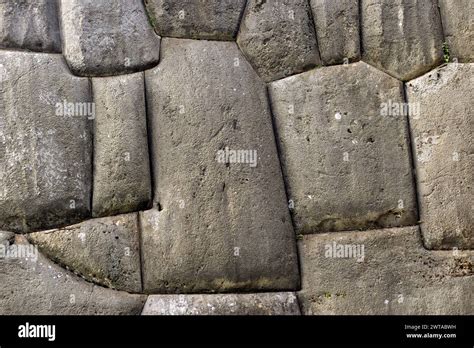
pixel 37 286
pixel 337 30
pixel 107 37
pixel 30 24
pixel 121 162
pixel 191 19
pixel 458 24
pixel 274 303
pixel 346 163
pixel 104 251
pixel 45 151
pixel 402 37
pixel 443 146
pixel 278 38
pixel 383 272
pixel 221 220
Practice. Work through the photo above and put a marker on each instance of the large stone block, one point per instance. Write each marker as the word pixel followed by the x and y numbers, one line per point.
pixel 191 19
pixel 443 147
pixel 402 37
pixel 337 30
pixel 30 24
pixel 383 272
pixel 346 163
pixel 45 152
pixel 278 37
pixel 458 23
pixel 104 251
pixel 274 303
pixel 221 220
pixel 107 37
pixel 37 286
pixel 121 162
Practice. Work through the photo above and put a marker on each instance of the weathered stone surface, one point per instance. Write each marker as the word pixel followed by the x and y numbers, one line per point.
pixel 45 154
pixel 190 19
pixel 42 288
pixel 458 23
pixel 346 165
pixel 30 24
pixel 121 163
pixel 402 37
pixel 278 37
pixel 222 226
pixel 276 303
pixel 6 236
pixel 443 146
pixel 107 37
pixel 104 251
pixel 397 275
pixel 337 30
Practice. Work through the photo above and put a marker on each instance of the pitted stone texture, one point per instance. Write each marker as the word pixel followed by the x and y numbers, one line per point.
pixel 346 166
pixel 278 37
pixel 337 30
pixel 104 251
pixel 458 23
pixel 30 24
pixel 191 19
pixel 397 275
pixel 402 37
pixel 45 155
pixel 222 226
pixel 107 37
pixel 443 147
pixel 121 163
pixel 44 288
pixel 275 303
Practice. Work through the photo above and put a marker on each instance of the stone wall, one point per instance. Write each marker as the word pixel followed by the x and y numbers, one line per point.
pixel 236 157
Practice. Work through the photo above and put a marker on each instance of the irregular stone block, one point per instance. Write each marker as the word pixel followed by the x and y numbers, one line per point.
pixel 104 251
pixel 402 37
pixel 221 220
pixel 337 30
pixel 458 23
pixel 443 146
pixel 6 236
pixel 275 303
pixel 37 286
pixel 383 272
pixel 347 165
pixel 30 24
pixel 105 37
pixel 45 151
pixel 190 19
pixel 278 38
pixel 121 162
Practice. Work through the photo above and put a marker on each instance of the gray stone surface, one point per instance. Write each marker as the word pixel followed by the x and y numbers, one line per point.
pixel 397 275
pixel 337 30
pixel 104 251
pixel 6 236
pixel 216 226
pixel 43 288
pixel 30 24
pixel 107 37
pixel 402 37
pixel 346 165
pixel 278 37
pixel 121 162
pixel 276 303
pixel 443 146
pixel 45 153
pixel 458 24
pixel 191 19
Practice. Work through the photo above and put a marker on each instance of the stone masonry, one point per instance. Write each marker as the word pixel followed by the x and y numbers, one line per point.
pixel 233 157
